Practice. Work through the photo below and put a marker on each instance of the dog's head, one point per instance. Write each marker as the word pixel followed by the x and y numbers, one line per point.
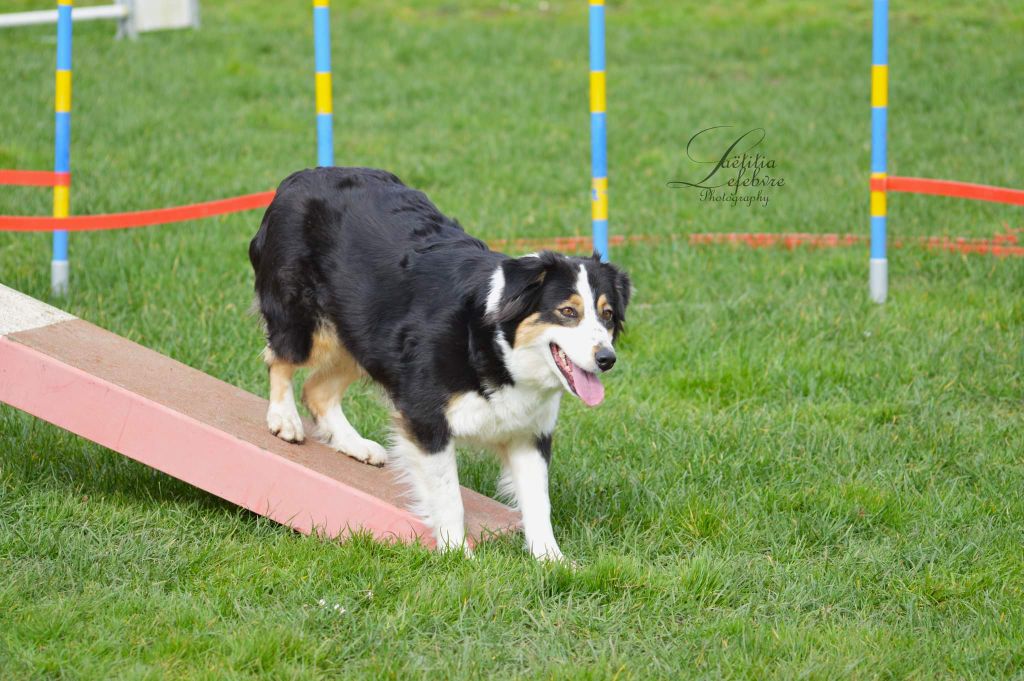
pixel 560 317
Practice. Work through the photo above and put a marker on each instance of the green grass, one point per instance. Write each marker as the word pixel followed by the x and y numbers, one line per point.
pixel 785 480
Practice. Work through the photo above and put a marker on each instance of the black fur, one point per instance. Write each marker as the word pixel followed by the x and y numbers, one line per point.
pixel 544 447
pixel 404 286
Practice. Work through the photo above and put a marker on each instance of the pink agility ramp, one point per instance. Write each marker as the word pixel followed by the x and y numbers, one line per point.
pixel 201 430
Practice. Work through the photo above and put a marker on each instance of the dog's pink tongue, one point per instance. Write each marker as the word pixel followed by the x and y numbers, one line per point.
pixel 588 386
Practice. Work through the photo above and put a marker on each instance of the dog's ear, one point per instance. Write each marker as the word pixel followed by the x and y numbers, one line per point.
pixel 623 287
pixel 523 279
pixel 620 282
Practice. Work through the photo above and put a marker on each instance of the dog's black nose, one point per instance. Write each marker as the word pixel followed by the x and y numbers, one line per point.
pixel 605 358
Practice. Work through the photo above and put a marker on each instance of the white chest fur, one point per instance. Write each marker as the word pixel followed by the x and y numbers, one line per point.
pixel 510 413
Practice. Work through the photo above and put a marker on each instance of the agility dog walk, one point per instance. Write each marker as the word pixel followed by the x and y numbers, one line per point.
pixel 201 430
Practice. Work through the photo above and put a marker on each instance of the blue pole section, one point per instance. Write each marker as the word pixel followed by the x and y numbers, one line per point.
pixel 598 132
pixel 59 266
pixel 879 264
pixel 324 105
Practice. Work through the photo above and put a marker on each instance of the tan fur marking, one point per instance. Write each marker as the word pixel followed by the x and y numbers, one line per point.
pixel 322 389
pixel 602 305
pixel 327 347
pixel 280 377
pixel 334 370
pixel 529 329
pixel 327 350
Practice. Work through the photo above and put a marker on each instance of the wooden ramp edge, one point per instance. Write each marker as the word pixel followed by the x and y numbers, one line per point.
pixel 201 430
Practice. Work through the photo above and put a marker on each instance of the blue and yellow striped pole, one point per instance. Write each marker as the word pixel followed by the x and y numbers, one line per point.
pixel 324 107
pixel 598 132
pixel 879 265
pixel 62 148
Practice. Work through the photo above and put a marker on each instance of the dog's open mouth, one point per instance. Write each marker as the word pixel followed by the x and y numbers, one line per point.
pixel 584 385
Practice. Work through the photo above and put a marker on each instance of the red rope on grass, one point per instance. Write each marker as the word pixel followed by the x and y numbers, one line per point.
pixel 141 218
pixel 999 245
pixel 753 239
pixel 1002 245
pixel 35 178
pixel 786 239
pixel 960 190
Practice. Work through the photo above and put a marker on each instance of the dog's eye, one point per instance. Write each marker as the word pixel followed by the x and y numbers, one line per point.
pixel 569 312
pixel 606 314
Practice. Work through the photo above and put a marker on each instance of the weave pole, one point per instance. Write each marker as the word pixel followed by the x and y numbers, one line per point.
pixel 59 266
pixel 324 106
pixel 598 132
pixel 879 264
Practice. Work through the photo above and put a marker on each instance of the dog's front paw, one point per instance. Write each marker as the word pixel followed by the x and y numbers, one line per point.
pixel 547 552
pixel 453 540
pixel 285 423
pixel 463 548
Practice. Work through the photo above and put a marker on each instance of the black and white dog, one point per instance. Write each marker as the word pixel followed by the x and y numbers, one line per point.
pixel 357 274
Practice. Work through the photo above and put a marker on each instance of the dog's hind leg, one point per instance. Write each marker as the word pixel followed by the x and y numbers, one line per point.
pixel 334 371
pixel 282 415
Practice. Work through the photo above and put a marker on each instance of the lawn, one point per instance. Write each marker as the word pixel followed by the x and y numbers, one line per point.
pixel 785 480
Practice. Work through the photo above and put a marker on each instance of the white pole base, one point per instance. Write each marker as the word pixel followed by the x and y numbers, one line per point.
pixel 59 270
pixel 879 279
